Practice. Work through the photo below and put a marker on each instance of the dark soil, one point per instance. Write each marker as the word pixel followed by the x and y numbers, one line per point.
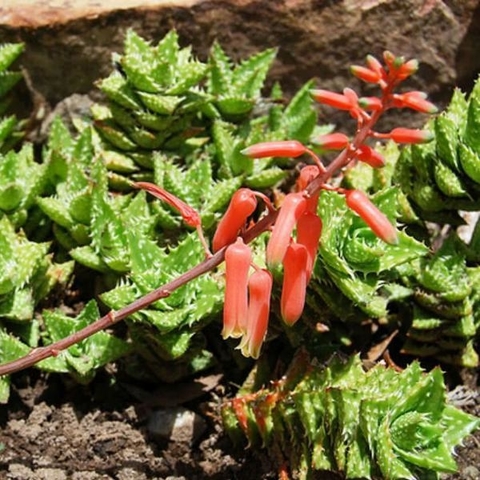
pixel 54 430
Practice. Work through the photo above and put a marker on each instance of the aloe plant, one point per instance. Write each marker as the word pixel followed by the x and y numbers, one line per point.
pixel 365 424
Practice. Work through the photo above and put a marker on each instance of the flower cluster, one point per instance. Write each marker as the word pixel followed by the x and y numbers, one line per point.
pixel 296 230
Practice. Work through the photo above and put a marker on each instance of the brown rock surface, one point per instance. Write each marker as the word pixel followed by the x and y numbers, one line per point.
pixel 69 43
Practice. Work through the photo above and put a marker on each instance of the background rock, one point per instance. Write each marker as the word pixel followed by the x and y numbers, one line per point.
pixel 69 44
pixel 176 424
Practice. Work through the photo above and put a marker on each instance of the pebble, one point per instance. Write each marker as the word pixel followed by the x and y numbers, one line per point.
pixel 471 473
pixel 176 424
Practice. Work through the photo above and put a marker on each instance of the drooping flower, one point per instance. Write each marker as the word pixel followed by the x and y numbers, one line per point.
pixel 295 282
pixel 372 216
pixel 238 258
pixel 242 205
pixel 309 231
pixel 189 215
pixel 370 156
pixel 292 208
pixel 259 293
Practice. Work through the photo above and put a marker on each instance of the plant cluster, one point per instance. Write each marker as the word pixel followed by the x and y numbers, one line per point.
pixel 183 151
pixel 374 424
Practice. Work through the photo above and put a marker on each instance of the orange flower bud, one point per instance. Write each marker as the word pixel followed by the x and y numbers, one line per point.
pixel 293 207
pixel 332 141
pixel 370 156
pixel 241 206
pixel 407 69
pixel 372 216
pixel 375 65
pixel 309 231
pixel 288 148
pixel 190 215
pixel 370 103
pixel 416 101
pixel 238 258
pixel 409 135
pixel 294 283
pixel 366 74
pixel 392 61
pixel 259 291
pixel 336 100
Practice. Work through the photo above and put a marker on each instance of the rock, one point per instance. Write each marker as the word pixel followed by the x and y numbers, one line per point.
pixel 69 47
pixel 471 473
pixel 22 472
pixel 176 425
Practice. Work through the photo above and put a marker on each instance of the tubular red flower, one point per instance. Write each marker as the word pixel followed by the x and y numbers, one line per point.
pixel 336 100
pixel 190 215
pixel 238 258
pixel 415 101
pixel 309 231
pixel 241 206
pixel 294 286
pixel 332 141
pixel 370 156
pixel 288 148
pixel 366 74
pixel 372 216
pixel 259 291
pixel 409 135
pixel 293 207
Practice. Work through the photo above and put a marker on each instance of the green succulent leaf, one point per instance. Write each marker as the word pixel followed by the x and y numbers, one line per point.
pixel 472 127
pixel 82 359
